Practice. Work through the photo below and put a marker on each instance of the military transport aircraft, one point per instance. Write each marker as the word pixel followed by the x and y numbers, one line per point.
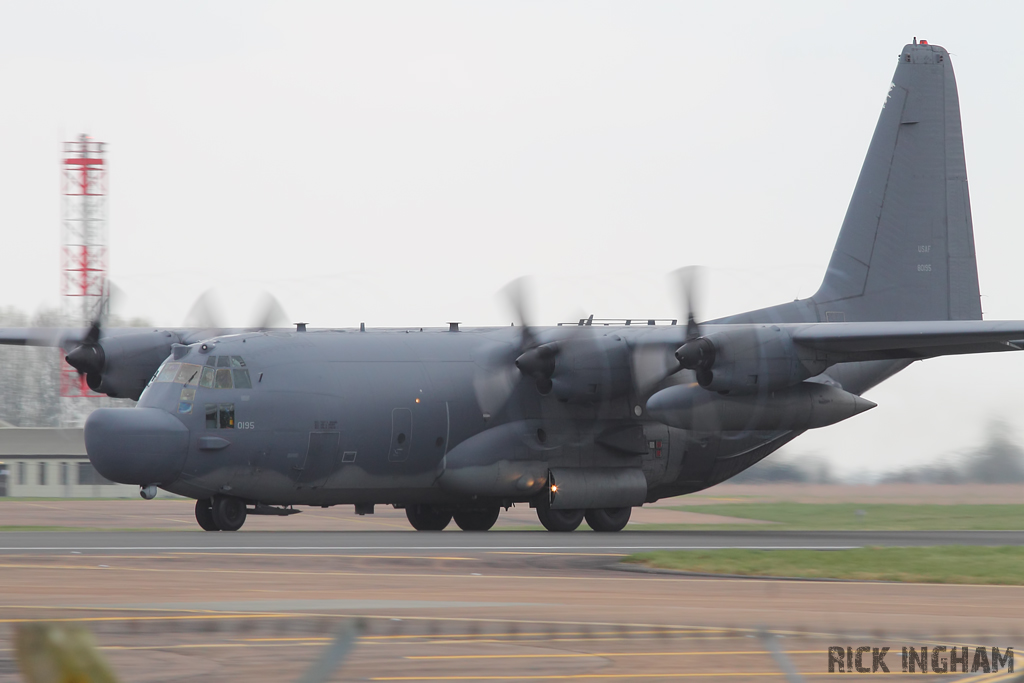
pixel 579 421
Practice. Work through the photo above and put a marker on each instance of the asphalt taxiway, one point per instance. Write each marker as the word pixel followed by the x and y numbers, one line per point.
pixel 342 542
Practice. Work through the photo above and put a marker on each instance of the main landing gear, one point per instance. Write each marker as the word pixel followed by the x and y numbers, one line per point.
pixel 436 518
pixel 220 513
pixel 599 519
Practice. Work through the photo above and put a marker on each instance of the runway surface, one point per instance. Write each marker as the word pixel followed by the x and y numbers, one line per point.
pixel 169 607
pixel 167 602
pixel 341 542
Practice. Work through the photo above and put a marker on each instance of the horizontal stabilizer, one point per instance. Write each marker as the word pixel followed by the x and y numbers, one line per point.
pixel 925 339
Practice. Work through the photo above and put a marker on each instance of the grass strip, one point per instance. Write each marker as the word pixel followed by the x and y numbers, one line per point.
pixel 1001 565
pixel 873 516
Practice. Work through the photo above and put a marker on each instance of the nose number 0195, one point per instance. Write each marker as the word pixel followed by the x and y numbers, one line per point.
pixel 245 425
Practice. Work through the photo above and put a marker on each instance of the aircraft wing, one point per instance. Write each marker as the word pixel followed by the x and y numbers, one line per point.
pixel 926 339
pixel 41 336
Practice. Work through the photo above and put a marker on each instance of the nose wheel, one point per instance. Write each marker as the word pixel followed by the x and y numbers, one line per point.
pixel 221 513
pixel 204 515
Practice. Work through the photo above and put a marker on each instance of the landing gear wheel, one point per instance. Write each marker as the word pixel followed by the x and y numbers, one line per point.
pixel 476 519
pixel 204 515
pixel 560 520
pixel 428 517
pixel 608 519
pixel 228 513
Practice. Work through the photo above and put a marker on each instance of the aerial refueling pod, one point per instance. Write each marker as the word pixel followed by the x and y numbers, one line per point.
pixel 748 360
pixel 808 405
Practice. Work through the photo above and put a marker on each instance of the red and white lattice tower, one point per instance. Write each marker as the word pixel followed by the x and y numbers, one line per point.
pixel 83 250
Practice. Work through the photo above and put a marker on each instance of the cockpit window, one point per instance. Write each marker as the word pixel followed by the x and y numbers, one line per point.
pixel 220 372
pixel 223 380
pixel 188 374
pixel 168 373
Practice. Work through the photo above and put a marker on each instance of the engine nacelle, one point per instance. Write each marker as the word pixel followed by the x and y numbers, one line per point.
pixel 581 369
pixel 808 405
pixel 749 359
pixel 120 366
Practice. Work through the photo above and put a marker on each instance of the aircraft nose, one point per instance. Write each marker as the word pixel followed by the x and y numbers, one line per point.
pixel 136 445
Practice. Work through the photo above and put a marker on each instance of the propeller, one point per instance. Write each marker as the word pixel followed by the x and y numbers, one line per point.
pixel 207 314
pixel 88 357
pixel 653 364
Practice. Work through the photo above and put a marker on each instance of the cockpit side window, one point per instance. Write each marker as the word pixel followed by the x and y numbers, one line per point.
pixel 227 415
pixel 242 380
pixel 211 415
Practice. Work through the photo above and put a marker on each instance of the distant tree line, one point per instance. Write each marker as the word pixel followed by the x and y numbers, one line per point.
pixel 30 377
pixel 997 460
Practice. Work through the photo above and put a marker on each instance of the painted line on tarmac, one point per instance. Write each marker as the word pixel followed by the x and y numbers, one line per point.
pixel 479 548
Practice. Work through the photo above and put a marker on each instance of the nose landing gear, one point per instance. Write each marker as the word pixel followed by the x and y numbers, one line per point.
pixel 221 513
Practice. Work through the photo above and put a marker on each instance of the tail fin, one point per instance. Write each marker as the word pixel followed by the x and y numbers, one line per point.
pixel 906 248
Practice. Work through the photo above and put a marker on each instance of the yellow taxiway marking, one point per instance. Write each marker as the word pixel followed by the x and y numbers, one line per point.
pixel 576 655
pixel 332 556
pixel 588 676
pixel 523 552
pixel 476 637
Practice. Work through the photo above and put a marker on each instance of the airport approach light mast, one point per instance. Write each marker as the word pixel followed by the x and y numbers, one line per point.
pixel 83 250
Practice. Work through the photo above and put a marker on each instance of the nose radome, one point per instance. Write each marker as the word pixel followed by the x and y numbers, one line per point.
pixel 136 445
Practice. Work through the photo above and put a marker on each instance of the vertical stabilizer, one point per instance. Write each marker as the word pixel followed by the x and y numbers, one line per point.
pixel 906 248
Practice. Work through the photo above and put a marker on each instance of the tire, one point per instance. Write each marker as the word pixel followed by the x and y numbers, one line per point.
pixel 228 513
pixel 608 519
pixel 560 520
pixel 428 517
pixel 204 515
pixel 476 519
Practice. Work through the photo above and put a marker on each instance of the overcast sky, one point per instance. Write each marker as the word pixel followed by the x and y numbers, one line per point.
pixel 398 163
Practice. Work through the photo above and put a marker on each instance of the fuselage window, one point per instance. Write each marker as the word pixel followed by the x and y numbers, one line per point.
pixel 168 373
pixel 206 381
pixel 211 415
pixel 223 378
pixel 227 415
pixel 242 380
